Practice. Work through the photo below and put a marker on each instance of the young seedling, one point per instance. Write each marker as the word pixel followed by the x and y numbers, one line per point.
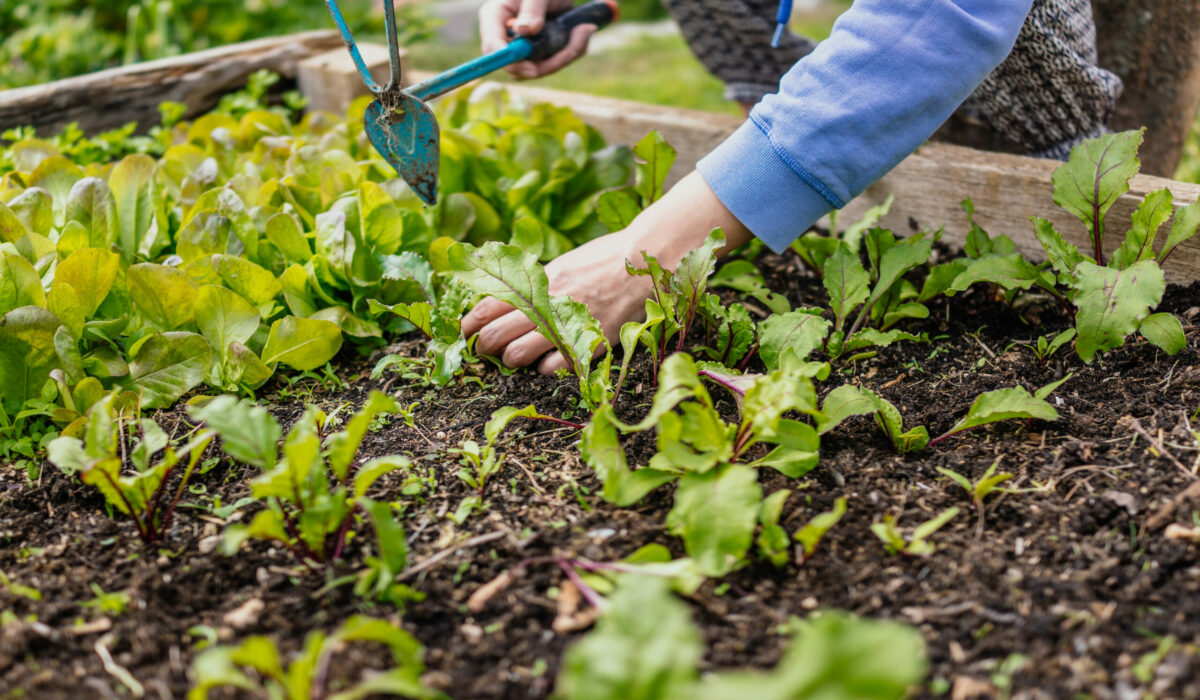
pixel 810 536
pixel 307 676
pixel 129 477
pixel 981 488
pixel 849 400
pixel 1005 404
pixel 112 604
pixel 483 463
pixel 918 545
pixel 312 491
pixel 1045 346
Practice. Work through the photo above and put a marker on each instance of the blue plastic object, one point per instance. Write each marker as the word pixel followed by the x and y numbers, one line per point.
pixel 782 16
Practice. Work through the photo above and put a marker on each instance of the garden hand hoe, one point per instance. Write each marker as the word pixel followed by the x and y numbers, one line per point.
pixel 399 123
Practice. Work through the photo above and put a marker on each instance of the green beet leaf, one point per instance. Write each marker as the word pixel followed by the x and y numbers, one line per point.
pixel 847 283
pixel 1112 303
pixel 1149 217
pixel 810 535
pixel 1187 221
pixel 12 229
pixel 772 541
pixel 167 366
pixel 249 433
pixel 795 333
pixel 849 400
pixel 633 655
pixel 654 157
pixel 1001 404
pixel 715 513
pixel 602 451
pixel 1094 178
pixel 1165 331
pixel 1006 271
pixel 224 317
pixel 301 343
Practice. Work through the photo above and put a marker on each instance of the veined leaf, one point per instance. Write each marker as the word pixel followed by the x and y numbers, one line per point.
pixel 1150 215
pixel 343 445
pixel 167 366
pixel 847 282
pixel 797 333
pixel 224 317
pixel 1187 221
pixel 654 159
pixel 20 284
pixel 248 432
pixel 91 204
pixel 133 187
pixel 26 354
pixel 716 513
pixel 811 534
pixel 1064 256
pixel 1002 404
pixel 1095 177
pixel 1112 304
pixel 302 343
pixel 602 451
pixel 164 296
pixel 1006 271
pixel 1165 331
pixel 91 272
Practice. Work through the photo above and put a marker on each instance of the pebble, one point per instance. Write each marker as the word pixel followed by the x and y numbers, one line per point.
pixel 440 435
pixel 208 544
pixel 602 533
pixel 809 603
pixel 244 615
pixel 471 632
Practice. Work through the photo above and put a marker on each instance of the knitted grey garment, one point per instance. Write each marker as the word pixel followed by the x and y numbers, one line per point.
pixel 1047 96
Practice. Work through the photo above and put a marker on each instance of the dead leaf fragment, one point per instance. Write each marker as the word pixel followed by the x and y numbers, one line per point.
pixel 1175 531
pixel 244 615
pixel 481 597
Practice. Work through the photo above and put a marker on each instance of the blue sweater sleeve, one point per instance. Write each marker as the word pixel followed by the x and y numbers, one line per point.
pixel 890 73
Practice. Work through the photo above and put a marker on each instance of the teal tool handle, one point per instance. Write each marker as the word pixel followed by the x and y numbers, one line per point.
pixel 546 43
pixel 557 32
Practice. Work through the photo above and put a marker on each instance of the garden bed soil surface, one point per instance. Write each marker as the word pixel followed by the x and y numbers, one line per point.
pixel 1072 570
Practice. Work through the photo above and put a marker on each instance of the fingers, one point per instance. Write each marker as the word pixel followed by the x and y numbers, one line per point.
pixel 494 16
pixel 497 334
pixel 484 313
pixel 531 17
pixel 553 363
pixel 526 349
pixel 576 47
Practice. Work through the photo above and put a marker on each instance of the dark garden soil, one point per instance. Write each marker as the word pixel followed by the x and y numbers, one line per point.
pixel 1072 570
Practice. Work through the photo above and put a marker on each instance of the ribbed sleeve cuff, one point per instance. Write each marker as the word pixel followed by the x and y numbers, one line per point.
pixel 769 197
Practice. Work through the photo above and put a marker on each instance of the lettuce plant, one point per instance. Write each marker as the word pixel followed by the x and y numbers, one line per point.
pixel 132 473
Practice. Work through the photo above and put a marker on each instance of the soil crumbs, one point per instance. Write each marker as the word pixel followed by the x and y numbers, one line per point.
pixel 1064 587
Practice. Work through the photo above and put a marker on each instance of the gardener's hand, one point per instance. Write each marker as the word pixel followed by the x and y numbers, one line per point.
pixel 528 16
pixel 594 273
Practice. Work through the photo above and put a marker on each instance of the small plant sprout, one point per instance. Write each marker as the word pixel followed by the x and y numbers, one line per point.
pixel 918 545
pixel 849 400
pixel 1005 404
pixel 1045 346
pixel 307 676
pixel 107 603
pixel 313 491
pixel 483 463
pixel 128 476
pixel 809 536
pixel 980 489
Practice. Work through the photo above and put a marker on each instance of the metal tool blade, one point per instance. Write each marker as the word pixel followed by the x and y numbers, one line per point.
pixel 406 134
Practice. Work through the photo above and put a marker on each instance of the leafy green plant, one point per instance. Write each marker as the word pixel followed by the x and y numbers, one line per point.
pixel 483 463
pixel 980 488
pixel 917 544
pixel 512 274
pixel 308 675
pixel 125 471
pixel 849 400
pixel 810 535
pixel 1045 347
pixel 634 656
pixel 113 603
pixel 312 489
pixel 1114 297
pixel 717 495
pixel 435 316
pixel 1005 404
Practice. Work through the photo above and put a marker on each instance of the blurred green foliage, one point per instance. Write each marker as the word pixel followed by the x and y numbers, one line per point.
pixel 47 40
pixel 1189 167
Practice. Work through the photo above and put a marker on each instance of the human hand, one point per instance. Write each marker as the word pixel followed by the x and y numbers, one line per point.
pixel 528 17
pixel 595 274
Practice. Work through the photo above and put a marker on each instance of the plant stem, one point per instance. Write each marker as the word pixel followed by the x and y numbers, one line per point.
pixel 560 421
pixel 340 542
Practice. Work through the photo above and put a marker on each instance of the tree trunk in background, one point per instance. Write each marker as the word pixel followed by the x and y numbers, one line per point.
pixel 1154 45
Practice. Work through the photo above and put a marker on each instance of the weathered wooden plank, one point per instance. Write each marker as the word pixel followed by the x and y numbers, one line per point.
pixel 111 98
pixel 929 185
pixel 1154 46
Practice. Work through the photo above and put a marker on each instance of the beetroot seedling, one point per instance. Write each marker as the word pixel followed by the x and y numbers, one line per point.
pixel 918 544
pixel 982 487
pixel 811 534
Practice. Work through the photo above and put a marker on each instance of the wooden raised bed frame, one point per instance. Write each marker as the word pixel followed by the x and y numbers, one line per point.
pixel 928 186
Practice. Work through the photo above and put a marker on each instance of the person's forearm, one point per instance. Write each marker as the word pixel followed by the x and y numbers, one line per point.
pixel 890 73
pixel 680 221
